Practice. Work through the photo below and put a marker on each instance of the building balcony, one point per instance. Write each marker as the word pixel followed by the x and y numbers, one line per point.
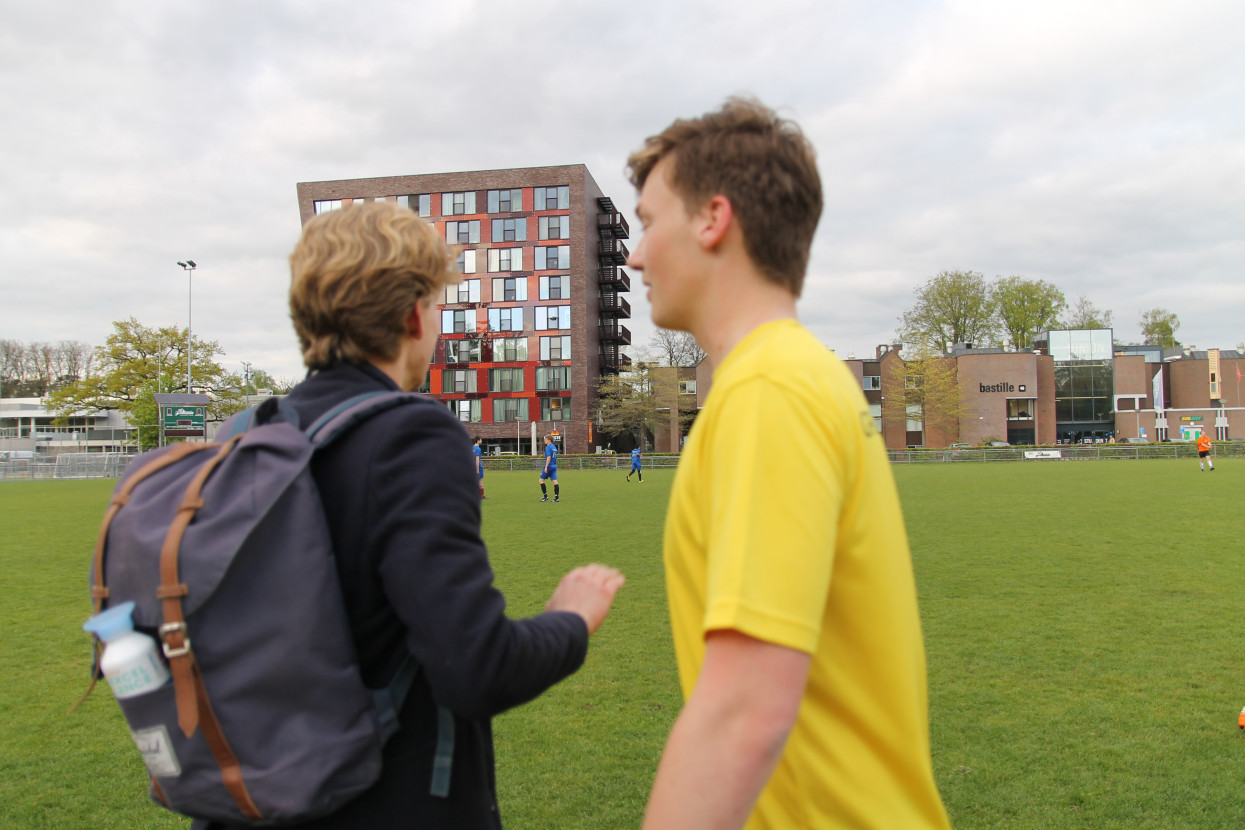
pixel 612 360
pixel 612 252
pixel 613 224
pixel 613 275
pixel 613 305
pixel 613 330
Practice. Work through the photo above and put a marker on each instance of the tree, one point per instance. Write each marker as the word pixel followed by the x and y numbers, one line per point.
pixel 1085 315
pixel 924 387
pixel 137 362
pixel 1158 328
pixel 1025 308
pixel 32 370
pixel 952 307
pixel 676 348
pixel 640 400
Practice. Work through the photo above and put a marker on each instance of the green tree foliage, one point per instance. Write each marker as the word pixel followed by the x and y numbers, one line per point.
pixel 641 400
pixel 952 307
pixel 1025 308
pixel 1083 314
pixel 136 362
pixel 1158 328
pixel 924 387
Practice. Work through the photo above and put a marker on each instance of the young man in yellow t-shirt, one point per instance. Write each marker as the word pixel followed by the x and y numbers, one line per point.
pixel 792 599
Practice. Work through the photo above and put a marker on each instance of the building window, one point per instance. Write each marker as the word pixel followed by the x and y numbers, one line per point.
pixel 458 381
pixel 505 380
pixel 552 198
pixel 458 321
pixel 553 378
pixel 871 382
pixel 875 409
pixel 462 351
pixel 559 256
pixel 510 230
pixel 327 205
pixel 509 409
pixel 509 349
pixel 555 409
pixel 467 262
pixel 505 259
pixel 462 233
pixel 465 410
pixel 509 289
pixel 458 204
pixel 555 348
pixel 421 204
pixel 505 201
pixel 915 424
pixel 553 317
pixel 555 227
pixel 1020 409
pixel 505 319
pixel 687 387
pixel 555 288
pixel 467 291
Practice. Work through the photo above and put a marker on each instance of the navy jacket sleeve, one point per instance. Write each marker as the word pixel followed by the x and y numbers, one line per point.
pixel 434 568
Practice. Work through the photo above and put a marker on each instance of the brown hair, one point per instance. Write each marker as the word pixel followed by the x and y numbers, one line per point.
pixel 356 275
pixel 762 163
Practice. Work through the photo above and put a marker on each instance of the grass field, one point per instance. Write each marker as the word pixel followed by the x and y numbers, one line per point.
pixel 1081 623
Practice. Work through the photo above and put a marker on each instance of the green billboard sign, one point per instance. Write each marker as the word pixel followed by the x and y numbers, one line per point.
pixel 184 419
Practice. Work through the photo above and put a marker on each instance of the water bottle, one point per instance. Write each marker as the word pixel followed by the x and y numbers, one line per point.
pixel 131 661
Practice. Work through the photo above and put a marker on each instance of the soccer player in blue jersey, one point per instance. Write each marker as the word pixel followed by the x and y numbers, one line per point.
pixel 479 454
pixel 550 471
pixel 635 464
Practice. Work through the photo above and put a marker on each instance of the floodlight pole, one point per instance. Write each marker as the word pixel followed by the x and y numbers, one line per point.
pixel 189 267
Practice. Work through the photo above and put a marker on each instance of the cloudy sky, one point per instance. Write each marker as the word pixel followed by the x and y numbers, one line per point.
pixel 1096 145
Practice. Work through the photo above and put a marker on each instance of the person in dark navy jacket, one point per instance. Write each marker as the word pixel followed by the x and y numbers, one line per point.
pixel 403 509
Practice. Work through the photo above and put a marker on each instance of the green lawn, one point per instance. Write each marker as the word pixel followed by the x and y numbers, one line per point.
pixel 1080 618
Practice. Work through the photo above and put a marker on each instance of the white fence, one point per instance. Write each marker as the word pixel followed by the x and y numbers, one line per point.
pixel 65 465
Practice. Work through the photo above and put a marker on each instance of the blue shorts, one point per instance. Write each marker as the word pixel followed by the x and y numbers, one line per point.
pixel 552 472
pixel 635 467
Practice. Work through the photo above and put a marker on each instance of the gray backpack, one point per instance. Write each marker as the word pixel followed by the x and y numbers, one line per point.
pixel 226 552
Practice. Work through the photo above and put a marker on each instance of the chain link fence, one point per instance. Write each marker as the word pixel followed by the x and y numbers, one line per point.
pixel 72 465
pixel 1067 452
pixel 66 465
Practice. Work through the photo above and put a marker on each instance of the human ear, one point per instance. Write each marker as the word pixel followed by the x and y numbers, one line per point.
pixel 415 320
pixel 714 219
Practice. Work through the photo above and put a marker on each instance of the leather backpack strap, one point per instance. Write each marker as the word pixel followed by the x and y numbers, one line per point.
pixel 99 591
pixel 173 629
pixel 194 710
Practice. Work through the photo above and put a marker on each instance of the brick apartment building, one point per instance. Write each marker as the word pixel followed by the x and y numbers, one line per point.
pixel 537 319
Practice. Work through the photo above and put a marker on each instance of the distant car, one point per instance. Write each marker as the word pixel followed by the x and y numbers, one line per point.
pixel 959 446
pixel 1133 441
pixel 997 444
pixel 916 447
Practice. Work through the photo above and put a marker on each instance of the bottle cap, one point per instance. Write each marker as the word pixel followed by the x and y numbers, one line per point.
pixel 111 623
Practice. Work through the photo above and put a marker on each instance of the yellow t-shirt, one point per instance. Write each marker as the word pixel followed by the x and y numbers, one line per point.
pixel 784 524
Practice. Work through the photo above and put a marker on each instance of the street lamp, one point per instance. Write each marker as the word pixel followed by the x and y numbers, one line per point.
pixel 189 267
pixel 247 380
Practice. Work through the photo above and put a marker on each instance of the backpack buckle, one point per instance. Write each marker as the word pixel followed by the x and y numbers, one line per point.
pixel 171 651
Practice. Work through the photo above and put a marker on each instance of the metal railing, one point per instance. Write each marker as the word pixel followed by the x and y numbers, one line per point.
pixel 1067 452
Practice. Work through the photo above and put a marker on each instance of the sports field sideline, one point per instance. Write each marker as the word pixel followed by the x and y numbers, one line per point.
pixel 1082 621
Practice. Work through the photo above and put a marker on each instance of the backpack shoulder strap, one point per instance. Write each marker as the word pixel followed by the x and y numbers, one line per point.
pixel 349 413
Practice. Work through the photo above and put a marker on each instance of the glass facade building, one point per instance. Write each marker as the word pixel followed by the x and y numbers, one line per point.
pixel 1084 382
